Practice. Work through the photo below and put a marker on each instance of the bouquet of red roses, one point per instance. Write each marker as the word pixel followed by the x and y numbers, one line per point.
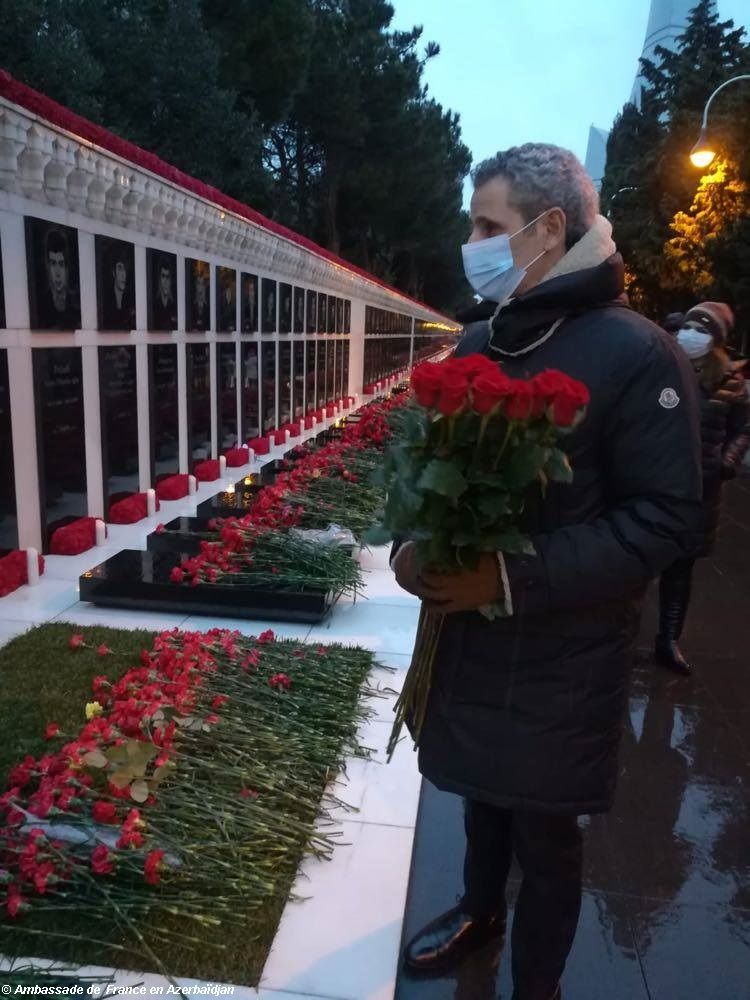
pixel 458 474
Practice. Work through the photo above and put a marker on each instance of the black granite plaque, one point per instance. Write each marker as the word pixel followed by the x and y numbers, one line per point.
pixel 162 290
pixel 134 579
pixel 198 403
pixel 268 385
pixel 61 446
pixel 2 295
pixel 347 316
pixel 331 314
pixel 285 308
pixel 330 371
pixel 249 303
pixel 298 323
pixel 118 397
pixel 340 316
pixel 268 303
pixel 339 371
pixel 321 347
pixel 226 294
pixel 310 385
pixel 52 266
pixel 226 394
pixel 345 386
pixel 322 313
pixel 298 378
pixel 197 296
pixel 312 312
pixel 8 522
pixel 250 392
pixel 285 383
pixel 115 284
pixel 235 501
pixel 165 438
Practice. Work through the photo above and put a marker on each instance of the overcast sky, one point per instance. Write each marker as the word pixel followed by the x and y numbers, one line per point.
pixel 534 70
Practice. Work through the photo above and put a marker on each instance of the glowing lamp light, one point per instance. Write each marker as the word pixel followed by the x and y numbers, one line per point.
pixel 702 154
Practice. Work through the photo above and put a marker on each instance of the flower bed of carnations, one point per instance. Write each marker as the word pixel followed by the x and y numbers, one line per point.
pixel 164 833
pixel 323 485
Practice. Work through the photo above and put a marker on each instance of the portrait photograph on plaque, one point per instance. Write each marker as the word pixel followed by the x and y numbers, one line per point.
pixel 321 358
pixel 347 316
pixel 285 308
pixel 118 399
pixel 226 294
pixel 226 395
pixel 331 314
pixel 312 312
pixel 268 300
pixel 249 303
pixel 285 383
pixel 197 296
pixel 2 292
pixel 250 392
pixel 198 403
pixel 162 290
pixel 310 392
pixel 298 378
pixel 268 384
pixel 52 265
pixel 115 284
pixel 322 313
pixel 298 324
pixel 340 316
pixel 61 448
pixel 164 425
pixel 8 519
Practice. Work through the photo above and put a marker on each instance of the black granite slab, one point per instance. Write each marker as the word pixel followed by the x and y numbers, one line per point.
pixel 182 534
pixel 236 502
pixel 140 580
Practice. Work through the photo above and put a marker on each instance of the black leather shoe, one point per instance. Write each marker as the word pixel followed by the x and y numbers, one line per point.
pixel 668 654
pixel 450 938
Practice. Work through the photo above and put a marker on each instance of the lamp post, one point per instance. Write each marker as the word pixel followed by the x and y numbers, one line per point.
pixel 702 152
pixel 629 187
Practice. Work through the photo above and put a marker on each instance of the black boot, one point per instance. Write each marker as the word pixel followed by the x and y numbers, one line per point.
pixel 450 938
pixel 674 598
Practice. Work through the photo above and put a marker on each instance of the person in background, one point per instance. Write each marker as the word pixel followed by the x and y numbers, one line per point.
pixel 673 322
pixel 725 437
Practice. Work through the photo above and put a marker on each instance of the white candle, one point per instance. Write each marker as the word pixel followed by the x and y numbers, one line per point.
pixel 287 435
pixel 251 455
pixel 150 502
pixel 192 485
pixel 32 567
pixel 101 532
pixel 222 464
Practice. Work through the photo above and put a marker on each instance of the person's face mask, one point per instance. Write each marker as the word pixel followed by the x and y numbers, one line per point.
pixel 695 343
pixel 490 268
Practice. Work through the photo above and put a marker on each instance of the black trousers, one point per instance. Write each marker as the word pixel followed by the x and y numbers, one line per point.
pixel 549 852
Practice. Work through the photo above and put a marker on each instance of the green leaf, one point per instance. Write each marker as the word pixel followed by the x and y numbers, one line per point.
pixel 378 534
pixel 462 538
pixel 493 504
pixel 484 478
pixel 511 541
pixel 524 465
pixel 558 467
pixel 442 477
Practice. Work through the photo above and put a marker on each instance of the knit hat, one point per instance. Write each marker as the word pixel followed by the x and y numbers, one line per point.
pixel 716 318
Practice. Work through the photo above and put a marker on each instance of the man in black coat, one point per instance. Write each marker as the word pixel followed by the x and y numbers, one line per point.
pixel 524 713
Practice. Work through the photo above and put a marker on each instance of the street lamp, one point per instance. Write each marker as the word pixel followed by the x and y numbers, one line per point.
pixel 703 152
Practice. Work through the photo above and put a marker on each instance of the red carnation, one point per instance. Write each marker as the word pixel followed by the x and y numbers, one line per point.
pixel 51 731
pixel 489 389
pixel 427 381
pixel 153 867
pixel 101 863
pixel 266 637
pixel 280 681
pixel 103 650
pixel 104 812
pixel 76 641
pixel 13 901
pixel 176 576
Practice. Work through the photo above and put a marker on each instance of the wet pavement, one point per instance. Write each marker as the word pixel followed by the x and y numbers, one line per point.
pixel 666 909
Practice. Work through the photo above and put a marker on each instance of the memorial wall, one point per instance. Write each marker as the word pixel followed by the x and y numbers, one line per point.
pixel 149 322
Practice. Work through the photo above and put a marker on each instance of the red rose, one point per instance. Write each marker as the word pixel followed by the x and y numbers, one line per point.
pixel 489 389
pixel 454 393
pixel 522 401
pixel 570 401
pixel 548 383
pixel 427 381
pixel 473 365
pixel 104 812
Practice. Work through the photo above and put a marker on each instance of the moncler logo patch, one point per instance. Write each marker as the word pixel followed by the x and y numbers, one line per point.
pixel 668 399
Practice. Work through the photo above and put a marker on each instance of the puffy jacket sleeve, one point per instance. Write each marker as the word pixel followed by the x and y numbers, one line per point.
pixel 651 453
pixel 738 429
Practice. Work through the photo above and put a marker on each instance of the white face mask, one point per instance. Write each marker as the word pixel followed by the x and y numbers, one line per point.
pixel 490 268
pixel 695 343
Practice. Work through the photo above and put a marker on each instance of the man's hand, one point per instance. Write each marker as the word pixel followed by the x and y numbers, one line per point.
pixel 406 568
pixel 466 590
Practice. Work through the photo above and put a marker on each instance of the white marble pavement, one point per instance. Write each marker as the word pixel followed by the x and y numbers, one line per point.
pixel 342 942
